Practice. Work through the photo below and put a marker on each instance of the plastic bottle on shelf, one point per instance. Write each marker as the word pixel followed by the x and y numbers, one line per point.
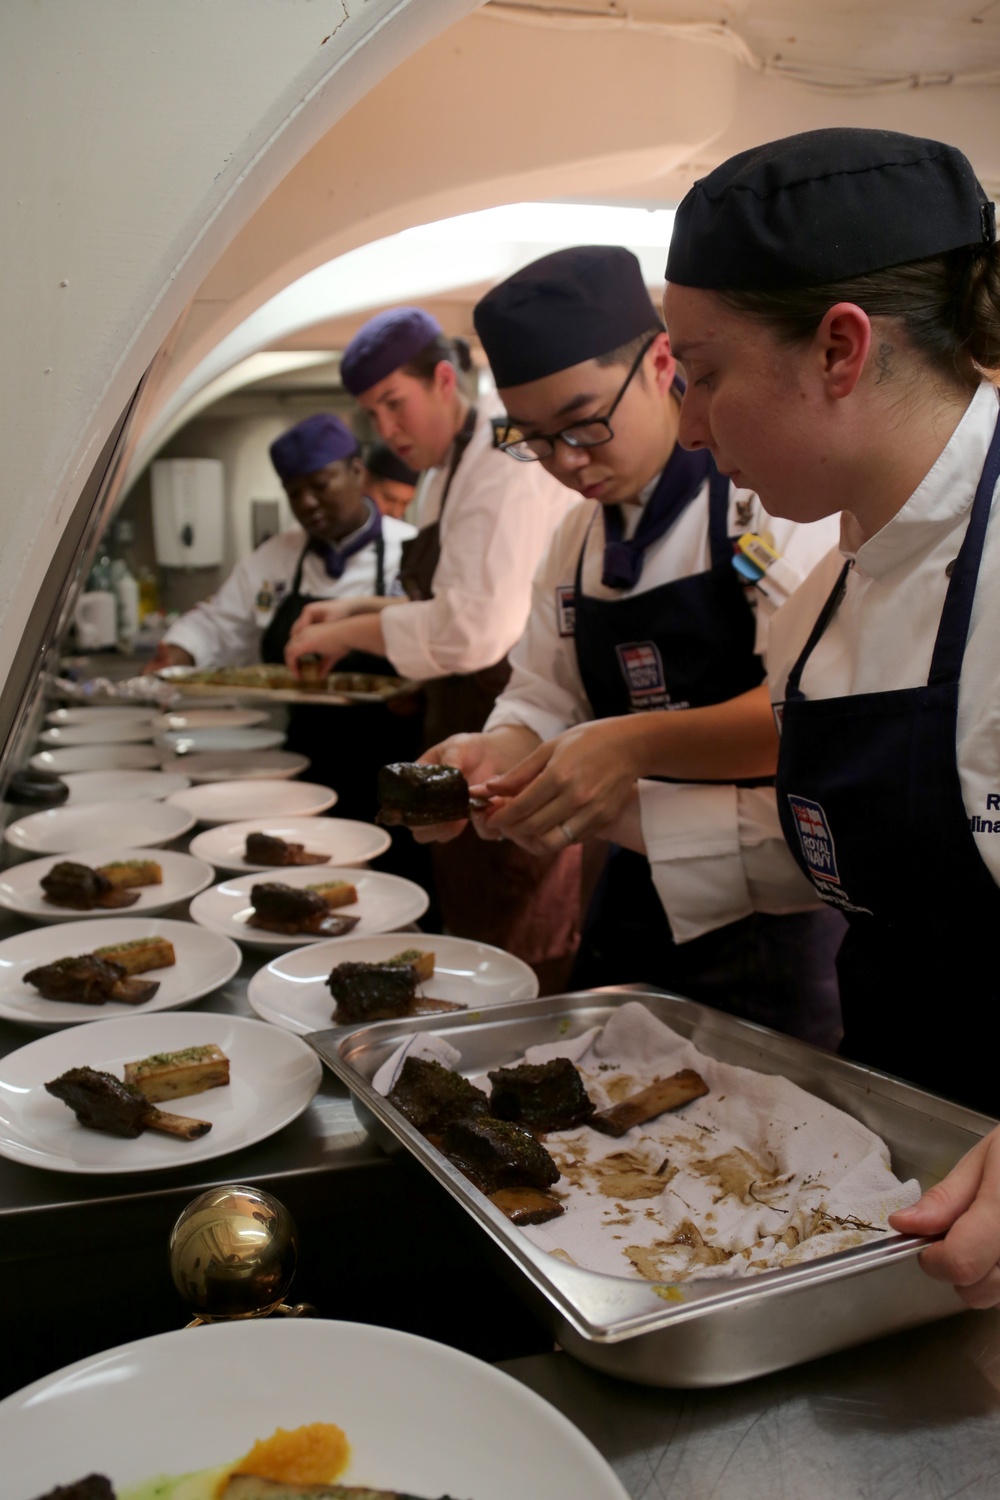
pixel 125 586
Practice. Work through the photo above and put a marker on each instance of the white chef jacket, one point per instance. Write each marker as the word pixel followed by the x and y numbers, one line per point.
pixel 716 851
pixel 882 635
pixel 226 630
pixel 497 522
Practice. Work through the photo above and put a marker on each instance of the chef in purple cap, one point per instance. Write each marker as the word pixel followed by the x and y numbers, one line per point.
pixel 342 547
pixel 484 525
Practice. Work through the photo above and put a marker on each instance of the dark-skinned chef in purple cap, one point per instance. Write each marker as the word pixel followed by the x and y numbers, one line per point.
pixel 342 547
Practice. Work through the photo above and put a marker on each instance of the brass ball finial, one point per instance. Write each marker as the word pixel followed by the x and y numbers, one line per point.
pixel 233 1253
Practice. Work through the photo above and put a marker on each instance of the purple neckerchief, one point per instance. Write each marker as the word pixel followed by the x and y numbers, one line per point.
pixel 335 558
pixel 682 478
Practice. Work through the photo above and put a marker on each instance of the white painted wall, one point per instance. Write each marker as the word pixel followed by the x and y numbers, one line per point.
pixel 139 137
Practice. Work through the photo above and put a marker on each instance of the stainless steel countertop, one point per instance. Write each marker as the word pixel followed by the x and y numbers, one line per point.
pixel 912 1417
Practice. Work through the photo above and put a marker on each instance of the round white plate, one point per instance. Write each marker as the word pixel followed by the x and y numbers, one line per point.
pixel 385 902
pixel 268 1086
pixel 291 990
pixel 232 801
pixel 205 961
pixel 183 877
pixel 60 717
pixel 131 825
pixel 210 718
pixel 97 758
pixel 343 840
pixel 195 741
pixel 419 1416
pixel 122 786
pixel 99 732
pixel 237 765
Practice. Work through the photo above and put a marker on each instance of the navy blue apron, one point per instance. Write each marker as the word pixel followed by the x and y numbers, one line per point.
pixel 871 805
pixel 345 745
pixel 691 643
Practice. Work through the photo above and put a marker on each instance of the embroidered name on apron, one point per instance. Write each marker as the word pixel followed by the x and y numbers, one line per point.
pixel 566 609
pixel 642 668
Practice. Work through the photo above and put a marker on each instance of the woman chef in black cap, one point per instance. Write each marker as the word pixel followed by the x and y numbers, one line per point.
pixel 835 298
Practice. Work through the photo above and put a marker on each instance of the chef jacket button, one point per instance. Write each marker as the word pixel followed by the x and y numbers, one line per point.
pixel 950 567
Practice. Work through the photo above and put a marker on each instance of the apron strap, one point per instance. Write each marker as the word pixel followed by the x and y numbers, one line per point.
pixel 578 580
pixel 380 564
pixel 296 587
pixel 792 690
pixel 953 631
pixel 461 441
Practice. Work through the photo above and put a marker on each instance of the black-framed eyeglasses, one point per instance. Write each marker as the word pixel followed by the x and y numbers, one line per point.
pixel 510 438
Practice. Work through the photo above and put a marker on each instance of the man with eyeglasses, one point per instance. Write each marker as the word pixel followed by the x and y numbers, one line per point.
pixel 637 607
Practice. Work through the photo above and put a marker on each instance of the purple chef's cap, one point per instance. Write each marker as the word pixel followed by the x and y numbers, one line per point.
pixel 312 444
pixel 385 342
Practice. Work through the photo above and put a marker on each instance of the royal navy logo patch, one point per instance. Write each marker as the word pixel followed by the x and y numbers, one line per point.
pixel 642 668
pixel 815 838
pixel 566 609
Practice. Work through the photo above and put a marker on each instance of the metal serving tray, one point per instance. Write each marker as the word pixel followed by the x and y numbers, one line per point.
pixel 695 1333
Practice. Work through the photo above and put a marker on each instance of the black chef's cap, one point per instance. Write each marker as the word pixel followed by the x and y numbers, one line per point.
pixel 567 307
pixel 824 206
pixel 384 464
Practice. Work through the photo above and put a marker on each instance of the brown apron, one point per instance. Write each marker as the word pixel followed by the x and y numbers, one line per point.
pixel 491 892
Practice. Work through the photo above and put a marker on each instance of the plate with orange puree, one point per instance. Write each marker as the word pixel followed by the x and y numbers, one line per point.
pixel 266 1409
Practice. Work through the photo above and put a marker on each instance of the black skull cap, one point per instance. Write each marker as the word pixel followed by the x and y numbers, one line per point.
pixel 824 206
pixel 565 308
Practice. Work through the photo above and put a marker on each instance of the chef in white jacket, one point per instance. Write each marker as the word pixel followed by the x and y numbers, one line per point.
pixel 638 610
pixel 836 298
pixel 484 524
pixel 343 547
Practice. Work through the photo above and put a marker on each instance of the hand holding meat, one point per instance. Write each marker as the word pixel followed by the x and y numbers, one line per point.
pixel 479 757
pixel 964 1207
pixel 329 643
pixel 581 780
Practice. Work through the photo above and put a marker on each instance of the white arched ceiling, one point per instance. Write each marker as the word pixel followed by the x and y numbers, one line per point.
pixel 541 101
pixel 139 136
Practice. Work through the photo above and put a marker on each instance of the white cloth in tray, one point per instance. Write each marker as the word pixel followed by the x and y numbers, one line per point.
pixel 753 1176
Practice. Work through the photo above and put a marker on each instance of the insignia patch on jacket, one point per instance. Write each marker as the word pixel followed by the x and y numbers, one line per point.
pixel 815 838
pixel 566 609
pixel 642 668
pixel 265 598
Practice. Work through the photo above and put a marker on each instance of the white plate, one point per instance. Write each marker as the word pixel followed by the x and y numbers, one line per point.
pixel 183 877
pixel 385 903
pixel 269 1085
pixel 132 824
pixel 194 741
pixel 345 841
pixel 97 758
pixel 210 718
pixel 205 961
pixel 122 786
pixel 291 991
pixel 237 765
pixel 60 717
pixel 232 801
pixel 100 732
pixel 419 1416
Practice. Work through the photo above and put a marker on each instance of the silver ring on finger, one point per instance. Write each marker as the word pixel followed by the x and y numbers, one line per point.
pixel 567 833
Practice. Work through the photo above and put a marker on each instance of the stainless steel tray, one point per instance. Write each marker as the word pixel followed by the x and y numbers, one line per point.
pixel 695 1333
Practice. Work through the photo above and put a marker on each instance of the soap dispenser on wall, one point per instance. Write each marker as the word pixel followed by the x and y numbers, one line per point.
pixel 188 512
